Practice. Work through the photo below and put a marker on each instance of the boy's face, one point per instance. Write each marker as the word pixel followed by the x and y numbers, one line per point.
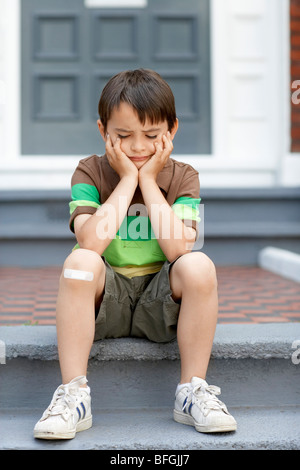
pixel 137 140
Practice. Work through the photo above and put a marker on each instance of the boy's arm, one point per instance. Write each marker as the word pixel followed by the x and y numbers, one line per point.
pixel 173 236
pixel 95 232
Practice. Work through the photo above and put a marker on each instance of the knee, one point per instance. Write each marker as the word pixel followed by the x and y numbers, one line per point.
pixel 88 262
pixel 198 271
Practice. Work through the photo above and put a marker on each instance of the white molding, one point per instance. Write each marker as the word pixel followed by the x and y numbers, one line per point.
pixel 115 3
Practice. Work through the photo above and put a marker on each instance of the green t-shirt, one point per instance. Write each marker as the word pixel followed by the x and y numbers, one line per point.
pixel 135 243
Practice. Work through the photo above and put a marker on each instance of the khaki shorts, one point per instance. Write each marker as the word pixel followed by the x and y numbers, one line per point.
pixel 140 307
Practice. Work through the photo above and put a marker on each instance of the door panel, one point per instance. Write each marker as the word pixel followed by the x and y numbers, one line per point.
pixel 70 51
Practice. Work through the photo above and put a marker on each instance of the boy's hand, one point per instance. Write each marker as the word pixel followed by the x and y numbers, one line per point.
pixel 152 167
pixel 118 160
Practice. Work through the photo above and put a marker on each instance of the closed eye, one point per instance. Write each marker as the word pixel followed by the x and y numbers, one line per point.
pixel 151 136
pixel 122 136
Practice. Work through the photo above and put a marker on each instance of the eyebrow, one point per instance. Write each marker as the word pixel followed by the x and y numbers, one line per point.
pixel 153 129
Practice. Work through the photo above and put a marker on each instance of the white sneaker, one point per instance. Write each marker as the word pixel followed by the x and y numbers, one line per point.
pixel 197 405
pixel 68 412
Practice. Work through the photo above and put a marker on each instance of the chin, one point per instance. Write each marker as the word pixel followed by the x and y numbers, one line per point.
pixel 140 164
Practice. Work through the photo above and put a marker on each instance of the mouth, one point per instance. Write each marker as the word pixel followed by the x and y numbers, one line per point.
pixel 139 158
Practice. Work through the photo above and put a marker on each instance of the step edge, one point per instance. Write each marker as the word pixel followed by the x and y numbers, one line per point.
pixel 276 192
pixel 175 436
pixel 212 230
pixel 236 341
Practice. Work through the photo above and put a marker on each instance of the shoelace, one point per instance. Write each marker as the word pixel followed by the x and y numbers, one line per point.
pixel 62 402
pixel 62 399
pixel 206 397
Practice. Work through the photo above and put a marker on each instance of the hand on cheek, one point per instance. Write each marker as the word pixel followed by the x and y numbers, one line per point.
pixel 118 160
pixel 162 151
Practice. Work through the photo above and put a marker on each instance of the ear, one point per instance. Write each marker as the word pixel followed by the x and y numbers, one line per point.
pixel 174 130
pixel 101 129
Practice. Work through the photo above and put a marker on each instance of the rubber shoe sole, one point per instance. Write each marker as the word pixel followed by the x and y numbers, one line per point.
pixel 183 418
pixel 81 426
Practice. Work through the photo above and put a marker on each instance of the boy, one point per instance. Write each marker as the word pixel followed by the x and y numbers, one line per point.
pixel 134 215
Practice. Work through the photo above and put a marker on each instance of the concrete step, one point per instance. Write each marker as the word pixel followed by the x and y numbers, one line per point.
pixel 133 383
pixel 34 224
pixel 154 429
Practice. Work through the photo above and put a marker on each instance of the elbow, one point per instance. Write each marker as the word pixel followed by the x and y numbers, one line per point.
pixel 93 243
pixel 82 239
pixel 176 252
pixel 87 242
pixel 182 246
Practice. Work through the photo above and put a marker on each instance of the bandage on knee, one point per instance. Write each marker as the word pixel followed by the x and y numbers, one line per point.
pixel 77 274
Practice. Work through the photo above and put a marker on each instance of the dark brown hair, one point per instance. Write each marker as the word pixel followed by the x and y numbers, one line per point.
pixel 145 90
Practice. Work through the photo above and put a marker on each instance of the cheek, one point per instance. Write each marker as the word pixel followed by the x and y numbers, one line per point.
pixel 159 141
pixel 125 146
pixel 152 146
pixel 114 139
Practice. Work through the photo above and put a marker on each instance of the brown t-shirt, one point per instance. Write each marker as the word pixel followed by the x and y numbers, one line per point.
pixel 94 180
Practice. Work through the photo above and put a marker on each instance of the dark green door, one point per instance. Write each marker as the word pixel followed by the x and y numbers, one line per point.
pixel 70 51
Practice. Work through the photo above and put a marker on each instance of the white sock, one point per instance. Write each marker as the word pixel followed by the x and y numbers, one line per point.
pixel 180 386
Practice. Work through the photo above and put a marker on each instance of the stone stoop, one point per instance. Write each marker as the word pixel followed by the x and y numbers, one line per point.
pixel 133 383
pixel 237 224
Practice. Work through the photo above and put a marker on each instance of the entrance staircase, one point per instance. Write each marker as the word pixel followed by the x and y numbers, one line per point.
pixel 133 383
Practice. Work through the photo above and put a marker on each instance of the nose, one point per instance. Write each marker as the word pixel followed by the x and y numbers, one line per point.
pixel 137 145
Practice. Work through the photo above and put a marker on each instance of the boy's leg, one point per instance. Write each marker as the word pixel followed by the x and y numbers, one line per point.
pixel 80 289
pixel 193 280
pixel 75 312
